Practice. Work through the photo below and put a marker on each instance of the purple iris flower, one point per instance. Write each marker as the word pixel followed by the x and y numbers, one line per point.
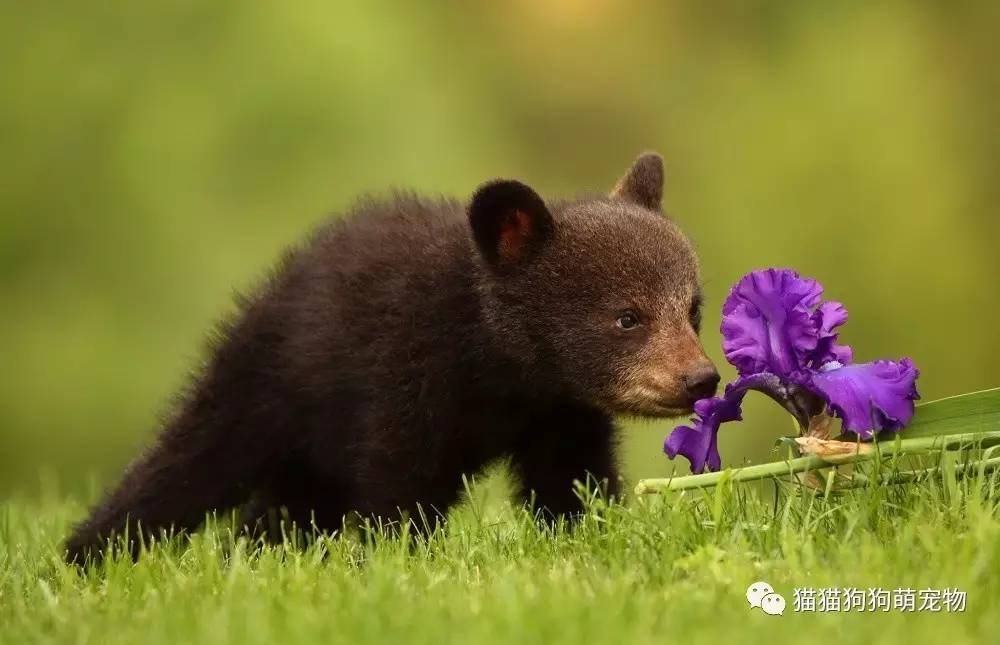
pixel 783 342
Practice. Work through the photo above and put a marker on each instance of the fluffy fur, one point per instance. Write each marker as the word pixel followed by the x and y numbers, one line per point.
pixel 415 340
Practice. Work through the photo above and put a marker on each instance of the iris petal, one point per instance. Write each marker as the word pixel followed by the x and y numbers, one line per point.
pixel 827 317
pixel 869 397
pixel 767 322
pixel 698 442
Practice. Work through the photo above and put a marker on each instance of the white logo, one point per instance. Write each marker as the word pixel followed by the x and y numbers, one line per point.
pixel 760 594
pixel 756 592
pixel 773 604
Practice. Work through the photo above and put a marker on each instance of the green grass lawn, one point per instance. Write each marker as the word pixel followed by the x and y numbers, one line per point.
pixel 656 570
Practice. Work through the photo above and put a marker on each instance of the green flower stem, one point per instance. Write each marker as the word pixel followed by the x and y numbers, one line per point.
pixel 981 466
pixel 804 464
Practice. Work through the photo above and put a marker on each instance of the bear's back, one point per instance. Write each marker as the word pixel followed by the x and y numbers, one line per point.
pixel 384 291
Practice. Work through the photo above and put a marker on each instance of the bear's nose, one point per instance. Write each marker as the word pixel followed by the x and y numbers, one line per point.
pixel 702 382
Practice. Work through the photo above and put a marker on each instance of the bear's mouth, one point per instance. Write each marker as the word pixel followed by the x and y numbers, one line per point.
pixel 656 409
pixel 667 411
pixel 646 401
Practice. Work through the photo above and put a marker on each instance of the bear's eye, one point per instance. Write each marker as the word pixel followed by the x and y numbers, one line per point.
pixel 694 313
pixel 627 319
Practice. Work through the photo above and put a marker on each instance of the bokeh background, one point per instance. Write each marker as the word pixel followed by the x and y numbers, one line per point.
pixel 156 156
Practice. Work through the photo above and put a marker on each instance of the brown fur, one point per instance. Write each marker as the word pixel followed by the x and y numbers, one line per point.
pixel 416 340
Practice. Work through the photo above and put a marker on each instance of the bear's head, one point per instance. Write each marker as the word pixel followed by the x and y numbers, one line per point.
pixel 598 297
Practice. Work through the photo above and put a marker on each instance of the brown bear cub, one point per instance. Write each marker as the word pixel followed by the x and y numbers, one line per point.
pixel 416 340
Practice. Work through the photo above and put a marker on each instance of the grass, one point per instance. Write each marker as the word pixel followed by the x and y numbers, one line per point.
pixel 663 568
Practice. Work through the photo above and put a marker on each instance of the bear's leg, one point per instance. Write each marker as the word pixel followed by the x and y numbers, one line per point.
pixel 562 447
pixel 296 499
pixel 188 472
pixel 391 492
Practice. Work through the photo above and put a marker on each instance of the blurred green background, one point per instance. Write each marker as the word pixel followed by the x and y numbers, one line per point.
pixel 158 155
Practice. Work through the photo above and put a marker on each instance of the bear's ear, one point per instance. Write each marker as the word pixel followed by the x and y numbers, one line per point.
pixel 509 221
pixel 643 183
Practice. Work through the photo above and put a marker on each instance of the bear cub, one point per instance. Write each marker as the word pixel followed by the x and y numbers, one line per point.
pixel 415 340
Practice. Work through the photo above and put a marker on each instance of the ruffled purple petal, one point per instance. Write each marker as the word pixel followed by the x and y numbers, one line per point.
pixel 698 442
pixel 869 397
pixel 827 317
pixel 767 322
